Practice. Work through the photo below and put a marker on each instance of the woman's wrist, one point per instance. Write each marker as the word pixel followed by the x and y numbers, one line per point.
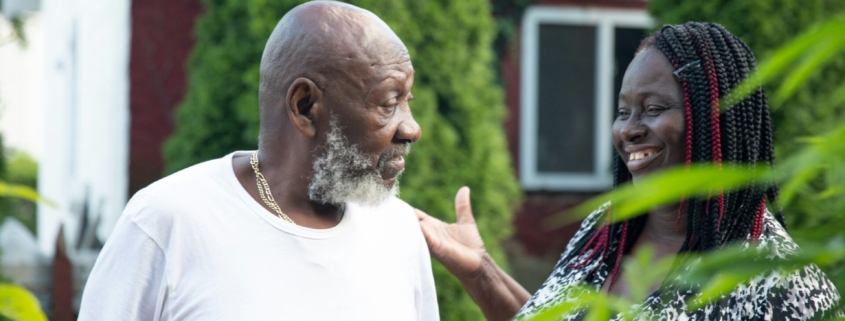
pixel 486 273
pixel 495 292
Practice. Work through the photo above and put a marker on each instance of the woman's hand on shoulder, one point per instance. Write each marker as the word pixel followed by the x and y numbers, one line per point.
pixel 458 246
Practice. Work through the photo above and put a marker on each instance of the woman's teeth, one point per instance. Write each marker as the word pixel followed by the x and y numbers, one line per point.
pixel 642 154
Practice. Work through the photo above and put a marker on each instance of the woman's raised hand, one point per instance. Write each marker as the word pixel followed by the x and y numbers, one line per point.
pixel 458 246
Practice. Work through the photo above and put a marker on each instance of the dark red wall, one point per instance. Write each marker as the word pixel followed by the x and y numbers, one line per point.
pixel 162 38
pixel 537 238
pixel 620 4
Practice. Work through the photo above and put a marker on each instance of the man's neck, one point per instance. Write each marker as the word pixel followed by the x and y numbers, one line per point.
pixel 289 186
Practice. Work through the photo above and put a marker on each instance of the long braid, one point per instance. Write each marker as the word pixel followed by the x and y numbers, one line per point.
pixel 713 70
pixel 745 208
pixel 739 203
pixel 702 135
pixel 715 210
pixel 727 77
pixel 677 53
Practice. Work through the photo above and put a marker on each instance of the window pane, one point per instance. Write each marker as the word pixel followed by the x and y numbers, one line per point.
pixel 566 99
pixel 627 41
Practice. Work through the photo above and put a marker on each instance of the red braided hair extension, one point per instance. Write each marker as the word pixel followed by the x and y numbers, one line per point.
pixel 591 245
pixel 758 221
pixel 715 128
pixel 619 253
pixel 599 241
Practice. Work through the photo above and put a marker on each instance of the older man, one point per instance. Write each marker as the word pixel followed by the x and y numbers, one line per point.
pixel 306 228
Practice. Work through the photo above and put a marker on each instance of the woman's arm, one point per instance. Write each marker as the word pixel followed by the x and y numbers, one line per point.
pixel 497 294
pixel 459 248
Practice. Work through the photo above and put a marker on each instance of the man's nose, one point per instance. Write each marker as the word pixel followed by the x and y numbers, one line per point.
pixel 408 131
pixel 633 129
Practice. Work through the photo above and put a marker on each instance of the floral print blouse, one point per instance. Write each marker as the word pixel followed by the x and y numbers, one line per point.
pixel 805 294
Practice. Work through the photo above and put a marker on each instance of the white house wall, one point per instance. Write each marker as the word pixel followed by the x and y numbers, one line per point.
pixel 22 87
pixel 86 120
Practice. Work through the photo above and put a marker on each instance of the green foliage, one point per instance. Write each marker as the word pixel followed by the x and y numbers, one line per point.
pixel 23 169
pixel 507 14
pixel 20 183
pixel 4 175
pixel 18 304
pixel 810 111
pixel 458 105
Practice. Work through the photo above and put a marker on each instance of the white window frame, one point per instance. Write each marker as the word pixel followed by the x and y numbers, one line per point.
pixel 605 20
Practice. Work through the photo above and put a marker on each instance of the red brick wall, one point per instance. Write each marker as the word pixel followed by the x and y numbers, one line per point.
pixel 162 38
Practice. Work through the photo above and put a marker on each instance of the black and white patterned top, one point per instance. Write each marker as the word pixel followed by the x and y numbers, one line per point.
pixel 802 295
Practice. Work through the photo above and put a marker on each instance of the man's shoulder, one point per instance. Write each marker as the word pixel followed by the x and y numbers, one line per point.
pixel 392 212
pixel 399 207
pixel 398 203
pixel 181 187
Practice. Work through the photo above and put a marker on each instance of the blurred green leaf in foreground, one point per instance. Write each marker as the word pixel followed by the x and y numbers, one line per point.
pixel 16 303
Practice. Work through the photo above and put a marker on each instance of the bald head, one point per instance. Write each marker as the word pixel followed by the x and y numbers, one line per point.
pixel 329 43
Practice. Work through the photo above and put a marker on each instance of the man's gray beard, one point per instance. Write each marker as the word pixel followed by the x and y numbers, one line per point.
pixel 345 174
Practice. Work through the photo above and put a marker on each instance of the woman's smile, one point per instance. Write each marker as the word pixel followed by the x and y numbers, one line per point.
pixel 640 157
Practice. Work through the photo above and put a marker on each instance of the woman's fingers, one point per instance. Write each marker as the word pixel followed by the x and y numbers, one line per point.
pixel 463 209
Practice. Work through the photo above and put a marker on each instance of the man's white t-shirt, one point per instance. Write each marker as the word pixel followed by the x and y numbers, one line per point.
pixel 197 246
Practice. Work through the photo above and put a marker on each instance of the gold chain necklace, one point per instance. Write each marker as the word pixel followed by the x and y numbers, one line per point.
pixel 264 189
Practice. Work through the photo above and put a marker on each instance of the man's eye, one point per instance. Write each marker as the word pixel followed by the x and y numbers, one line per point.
pixel 622 113
pixel 391 104
pixel 390 109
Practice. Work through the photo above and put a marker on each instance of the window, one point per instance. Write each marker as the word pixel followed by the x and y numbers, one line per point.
pixel 573 60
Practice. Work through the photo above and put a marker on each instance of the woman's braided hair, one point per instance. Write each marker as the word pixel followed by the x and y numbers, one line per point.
pixel 717 61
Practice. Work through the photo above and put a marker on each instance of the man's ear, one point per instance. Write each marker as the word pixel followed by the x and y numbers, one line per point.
pixel 304 101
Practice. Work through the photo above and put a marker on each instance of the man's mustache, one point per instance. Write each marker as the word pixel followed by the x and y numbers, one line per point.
pixel 400 150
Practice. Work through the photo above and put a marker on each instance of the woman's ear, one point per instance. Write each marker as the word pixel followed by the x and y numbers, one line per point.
pixel 304 101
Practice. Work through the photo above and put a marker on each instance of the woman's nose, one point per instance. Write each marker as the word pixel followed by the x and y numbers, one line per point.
pixel 633 129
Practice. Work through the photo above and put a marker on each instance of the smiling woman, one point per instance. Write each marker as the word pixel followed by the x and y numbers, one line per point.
pixel 669 115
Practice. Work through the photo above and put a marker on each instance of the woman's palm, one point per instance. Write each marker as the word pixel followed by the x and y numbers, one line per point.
pixel 457 246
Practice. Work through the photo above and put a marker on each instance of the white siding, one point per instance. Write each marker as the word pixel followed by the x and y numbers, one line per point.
pixel 86 137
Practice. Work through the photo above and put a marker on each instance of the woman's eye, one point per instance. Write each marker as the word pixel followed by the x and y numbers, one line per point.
pixel 622 113
pixel 654 110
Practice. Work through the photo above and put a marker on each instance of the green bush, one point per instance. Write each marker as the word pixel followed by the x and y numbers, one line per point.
pixel 458 105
